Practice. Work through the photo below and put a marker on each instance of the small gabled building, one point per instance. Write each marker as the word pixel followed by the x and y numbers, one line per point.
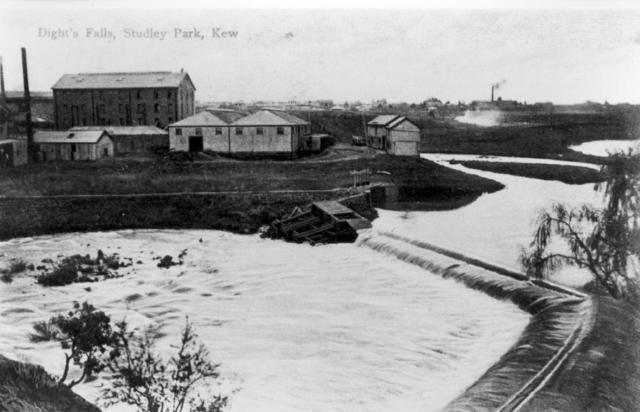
pixel 132 139
pixel 82 145
pixel 394 134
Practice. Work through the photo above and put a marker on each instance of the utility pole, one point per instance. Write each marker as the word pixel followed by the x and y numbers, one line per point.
pixel 27 103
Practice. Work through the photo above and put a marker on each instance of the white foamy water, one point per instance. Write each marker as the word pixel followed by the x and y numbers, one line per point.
pixel 606 147
pixel 496 226
pixel 296 328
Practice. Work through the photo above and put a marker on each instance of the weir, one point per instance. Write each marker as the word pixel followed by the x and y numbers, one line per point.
pixel 561 318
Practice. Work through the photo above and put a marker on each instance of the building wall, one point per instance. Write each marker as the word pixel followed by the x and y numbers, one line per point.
pixel 83 151
pixel 104 148
pixel 124 144
pixel 211 140
pixel 270 142
pixel 404 139
pixel 249 142
pixel 13 153
pixel 185 101
pixel 375 136
pixel 102 107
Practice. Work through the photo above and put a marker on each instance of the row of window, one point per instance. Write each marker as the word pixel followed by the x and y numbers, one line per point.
pixel 122 107
pixel 238 131
pixel 140 121
pixel 122 94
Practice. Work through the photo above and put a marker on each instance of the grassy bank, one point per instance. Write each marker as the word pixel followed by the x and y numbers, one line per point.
pixel 121 176
pixel 234 213
pixel 574 175
pixel 422 185
pixel 29 388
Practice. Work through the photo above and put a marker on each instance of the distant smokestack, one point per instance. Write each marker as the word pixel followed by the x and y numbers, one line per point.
pixel 27 103
pixel 496 86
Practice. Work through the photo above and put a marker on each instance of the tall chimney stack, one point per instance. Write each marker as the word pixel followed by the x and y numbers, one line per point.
pixel 4 127
pixel 2 93
pixel 27 103
pixel 492 87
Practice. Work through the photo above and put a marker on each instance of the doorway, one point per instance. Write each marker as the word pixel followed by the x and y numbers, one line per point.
pixel 195 144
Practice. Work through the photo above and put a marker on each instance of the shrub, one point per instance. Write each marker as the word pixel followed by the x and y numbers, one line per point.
pixel 6 277
pixel 78 268
pixel 86 334
pixel 61 275
pixel 17 266
pixel 141 378
pixel 166 262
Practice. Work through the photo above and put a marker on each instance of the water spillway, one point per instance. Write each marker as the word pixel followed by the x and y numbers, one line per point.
pixel 561 318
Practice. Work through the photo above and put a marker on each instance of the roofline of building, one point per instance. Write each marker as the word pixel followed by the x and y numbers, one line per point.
pixel 186 75
pixel 238 125
pixel 115 88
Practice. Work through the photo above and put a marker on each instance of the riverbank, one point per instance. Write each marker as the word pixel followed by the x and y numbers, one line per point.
pixel 603 374
pixel 236 196
pixel 29 388
pixel 573 175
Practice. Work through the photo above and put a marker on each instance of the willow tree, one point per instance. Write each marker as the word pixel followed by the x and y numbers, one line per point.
pixel 606 240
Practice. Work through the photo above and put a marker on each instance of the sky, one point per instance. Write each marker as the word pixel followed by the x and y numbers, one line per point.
pixel 563 56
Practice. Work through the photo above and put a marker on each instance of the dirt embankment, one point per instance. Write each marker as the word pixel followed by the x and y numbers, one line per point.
pixel 28 388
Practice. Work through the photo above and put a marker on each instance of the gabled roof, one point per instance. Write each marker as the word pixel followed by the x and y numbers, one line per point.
pixel 383 120
pixel 269 118
pixel 398 121
pixel 203 118
pixel 91 136
pixel 291 118
pixel 227 115
pixel 121 80
pixel 121 130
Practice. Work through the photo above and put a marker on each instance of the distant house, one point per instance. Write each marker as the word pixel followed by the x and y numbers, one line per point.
pixel 122 99
pixel 132 139
pixel 395 134
pixel 263 133
pixel 82 145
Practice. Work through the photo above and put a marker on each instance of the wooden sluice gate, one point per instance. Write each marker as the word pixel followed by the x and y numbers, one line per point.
pixel 320 222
